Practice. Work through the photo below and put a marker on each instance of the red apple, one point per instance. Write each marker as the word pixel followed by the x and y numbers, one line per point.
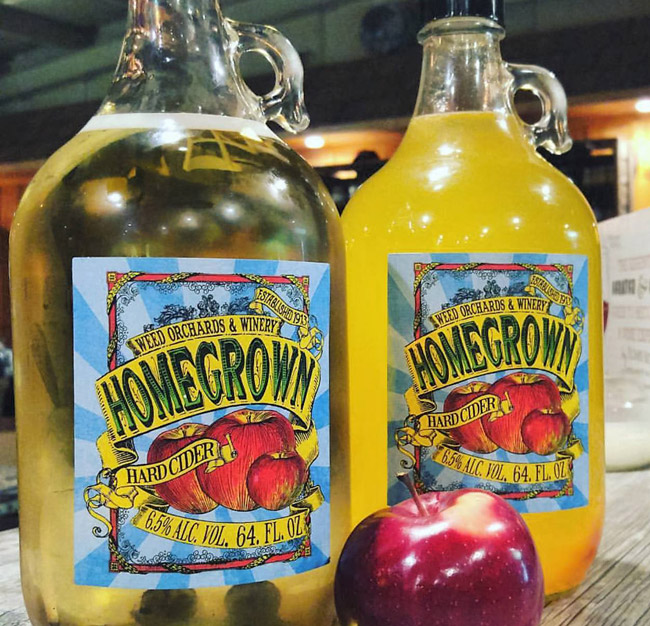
pixel 253 434
pixel 184 492
pixel 545 431
pixel 471 436
pixel 454 558
pixel 275 480
pixel 526 393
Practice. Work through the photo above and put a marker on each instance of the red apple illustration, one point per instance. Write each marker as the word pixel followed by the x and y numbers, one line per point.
pixel 526 392
pixel 471 436
pixel 450 558
pixel 184 492
pixel 275 480
pixel 253 434
pixel 545 431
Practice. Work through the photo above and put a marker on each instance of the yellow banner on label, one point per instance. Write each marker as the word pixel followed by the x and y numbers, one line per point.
pixel 471 412
pixel 184 461
pixel 537 281
pixel 115 455
pixel 201 375
pixel 202 328
pixel 495 343
pixel 224 535
pixel 488 306
pixel 505 472
pixel 273 302
pixel 424 427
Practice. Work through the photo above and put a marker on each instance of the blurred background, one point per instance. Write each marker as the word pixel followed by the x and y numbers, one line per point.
pixel 363 67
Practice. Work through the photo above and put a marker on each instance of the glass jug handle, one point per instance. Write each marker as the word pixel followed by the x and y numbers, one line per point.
pixel 551 131
pixel 285 103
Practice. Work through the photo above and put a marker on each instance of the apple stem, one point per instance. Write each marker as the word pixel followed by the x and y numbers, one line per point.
pixel 407 481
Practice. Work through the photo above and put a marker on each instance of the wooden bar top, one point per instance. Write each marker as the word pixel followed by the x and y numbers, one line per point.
pixel 616 592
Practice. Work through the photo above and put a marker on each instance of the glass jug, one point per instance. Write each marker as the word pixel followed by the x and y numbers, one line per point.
pixel 474 292
pixel 182 437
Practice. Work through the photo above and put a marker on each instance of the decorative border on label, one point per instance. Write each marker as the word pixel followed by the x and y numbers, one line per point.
pixel 117 561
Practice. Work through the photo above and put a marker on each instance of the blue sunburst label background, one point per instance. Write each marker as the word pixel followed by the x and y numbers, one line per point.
pixel 488 376
pixel 201 421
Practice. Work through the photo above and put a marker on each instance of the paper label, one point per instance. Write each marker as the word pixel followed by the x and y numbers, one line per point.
pixel 626 290
pixel 201 421
pixel 488 376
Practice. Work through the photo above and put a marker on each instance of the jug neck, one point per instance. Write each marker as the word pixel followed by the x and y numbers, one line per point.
pixel 178 57
pixel 462 69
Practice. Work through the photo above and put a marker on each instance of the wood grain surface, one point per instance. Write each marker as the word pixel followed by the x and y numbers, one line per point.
pixel 616 592
pixel 617 589
pixel 12 609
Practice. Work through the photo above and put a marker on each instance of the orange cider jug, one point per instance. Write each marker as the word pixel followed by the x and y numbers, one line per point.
pixel 475 310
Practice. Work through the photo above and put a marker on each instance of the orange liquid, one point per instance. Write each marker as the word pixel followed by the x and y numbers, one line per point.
pixel 466 182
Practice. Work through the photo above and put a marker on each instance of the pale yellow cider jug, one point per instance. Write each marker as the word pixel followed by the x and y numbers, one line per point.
pixel 178 279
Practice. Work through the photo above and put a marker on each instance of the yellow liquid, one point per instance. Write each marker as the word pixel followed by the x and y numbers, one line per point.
pixel 466 182
pixel 127 193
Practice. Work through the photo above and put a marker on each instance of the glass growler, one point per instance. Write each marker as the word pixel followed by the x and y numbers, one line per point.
pixel 474 291
pixel 177 277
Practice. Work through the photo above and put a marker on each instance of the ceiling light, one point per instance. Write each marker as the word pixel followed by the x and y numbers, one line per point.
pixel 315 142
pixel 346 175
pixel 643 105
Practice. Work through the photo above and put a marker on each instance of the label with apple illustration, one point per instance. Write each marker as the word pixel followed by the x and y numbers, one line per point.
pixel 201 421
pixel 488 376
